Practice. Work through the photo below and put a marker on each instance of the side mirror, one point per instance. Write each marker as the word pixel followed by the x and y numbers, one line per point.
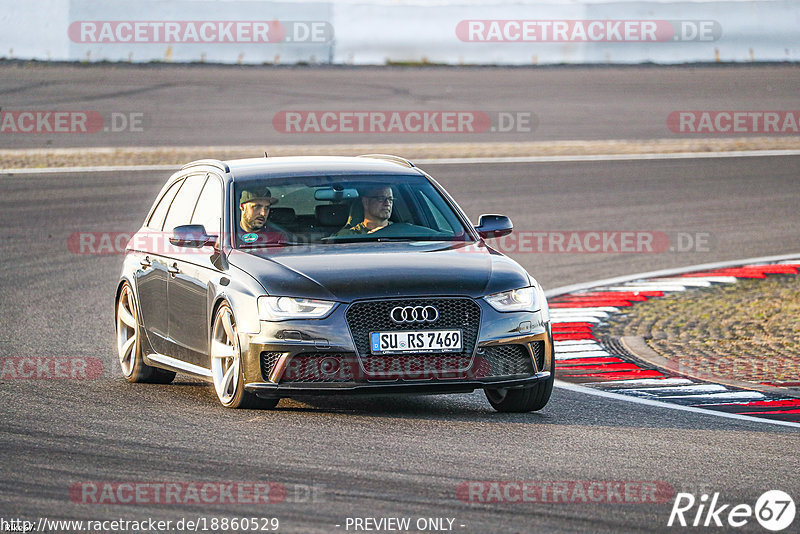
pixel 494 226
pixel 191 236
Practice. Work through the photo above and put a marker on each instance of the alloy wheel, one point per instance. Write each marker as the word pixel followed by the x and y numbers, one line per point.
pixel 225 356
pixel 127 331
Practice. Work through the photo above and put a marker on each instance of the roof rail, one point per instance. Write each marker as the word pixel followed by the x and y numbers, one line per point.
pixel 213 162
pixel 388 157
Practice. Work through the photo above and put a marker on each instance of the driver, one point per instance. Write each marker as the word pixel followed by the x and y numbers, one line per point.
pixel 377 204
pixel 254 228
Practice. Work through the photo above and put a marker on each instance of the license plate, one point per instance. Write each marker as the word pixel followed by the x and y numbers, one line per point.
pixel 417 341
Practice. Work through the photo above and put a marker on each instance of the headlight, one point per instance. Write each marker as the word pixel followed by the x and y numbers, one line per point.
pixel 282 308
pixel 542 302
pixel 515 300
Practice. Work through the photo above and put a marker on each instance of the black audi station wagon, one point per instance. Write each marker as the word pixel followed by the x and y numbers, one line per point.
pixel 292 276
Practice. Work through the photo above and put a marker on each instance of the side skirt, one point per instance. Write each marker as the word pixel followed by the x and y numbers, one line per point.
pixel 174 364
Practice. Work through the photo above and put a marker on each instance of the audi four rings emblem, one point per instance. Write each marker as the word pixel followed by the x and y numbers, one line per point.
pixel 414 314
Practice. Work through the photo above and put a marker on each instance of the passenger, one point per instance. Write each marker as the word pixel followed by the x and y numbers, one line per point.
pixel 378 203
pixel 254 228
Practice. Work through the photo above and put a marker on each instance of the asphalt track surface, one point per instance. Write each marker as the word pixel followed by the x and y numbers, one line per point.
pixel 209 105
pixel 388 456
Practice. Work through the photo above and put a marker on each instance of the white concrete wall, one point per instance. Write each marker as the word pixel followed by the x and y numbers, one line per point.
pixel 379 31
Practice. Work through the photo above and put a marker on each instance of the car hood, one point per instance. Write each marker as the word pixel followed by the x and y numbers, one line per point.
pixel 351 271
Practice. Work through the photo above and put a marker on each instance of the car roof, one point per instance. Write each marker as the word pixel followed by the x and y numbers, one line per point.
pixel 261 168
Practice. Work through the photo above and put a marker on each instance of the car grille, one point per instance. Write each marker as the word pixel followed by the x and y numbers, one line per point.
pixel 506 360
pixel 494 361
pixel 538 354
pixel 454 313
pixel 417 366
pixel 268 361
pixel 330 367
pixel 327 367
pixel 321 367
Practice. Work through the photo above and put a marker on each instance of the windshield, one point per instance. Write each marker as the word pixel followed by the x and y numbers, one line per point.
pixel 340 209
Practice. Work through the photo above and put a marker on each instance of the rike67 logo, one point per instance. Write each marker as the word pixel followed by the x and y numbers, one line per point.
pixel 774 510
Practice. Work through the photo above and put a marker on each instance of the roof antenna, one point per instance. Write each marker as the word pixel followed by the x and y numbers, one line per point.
pixel 265 154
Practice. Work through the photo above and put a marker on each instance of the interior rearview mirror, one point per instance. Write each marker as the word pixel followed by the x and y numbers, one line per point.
pixel 335 194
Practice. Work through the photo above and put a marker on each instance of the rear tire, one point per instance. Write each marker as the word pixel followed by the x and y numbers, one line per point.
pixel 129 346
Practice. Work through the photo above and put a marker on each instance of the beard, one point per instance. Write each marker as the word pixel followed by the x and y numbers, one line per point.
pixel 254 224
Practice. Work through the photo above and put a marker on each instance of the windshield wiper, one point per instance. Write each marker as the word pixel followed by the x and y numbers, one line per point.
pixel 275 245
pixel 379 239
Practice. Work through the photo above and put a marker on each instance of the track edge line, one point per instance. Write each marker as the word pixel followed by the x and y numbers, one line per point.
pixel 649 402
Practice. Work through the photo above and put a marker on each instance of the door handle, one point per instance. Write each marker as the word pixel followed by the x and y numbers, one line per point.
pixel 174 269
pixel 146 262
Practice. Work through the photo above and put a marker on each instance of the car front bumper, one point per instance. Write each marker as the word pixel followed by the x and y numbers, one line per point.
pixel 504 356
pixel 272 390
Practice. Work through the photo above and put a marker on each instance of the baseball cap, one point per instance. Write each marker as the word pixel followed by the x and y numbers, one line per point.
pixel 259 193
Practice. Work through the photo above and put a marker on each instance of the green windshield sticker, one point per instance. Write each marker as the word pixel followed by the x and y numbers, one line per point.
pixel 249 238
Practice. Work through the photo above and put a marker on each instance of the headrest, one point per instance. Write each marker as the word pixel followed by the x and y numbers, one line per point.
pixel 282 215
pixel 332 214
pixel 356 214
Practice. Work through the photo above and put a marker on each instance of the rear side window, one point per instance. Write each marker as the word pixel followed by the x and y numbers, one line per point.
pixel 156 221
pixel 208 211
pixel 182 208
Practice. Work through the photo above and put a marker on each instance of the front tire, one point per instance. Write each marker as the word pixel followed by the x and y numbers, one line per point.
pixel 129 346
pixel 226 364
pixel 529 399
